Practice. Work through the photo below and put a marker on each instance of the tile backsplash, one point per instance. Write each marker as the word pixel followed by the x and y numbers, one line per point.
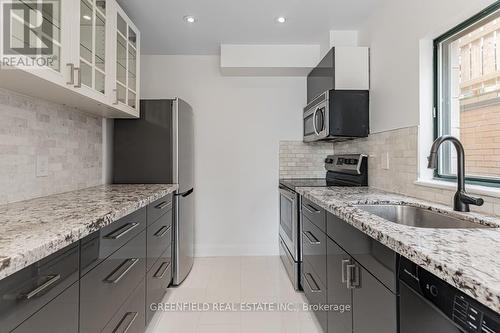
pixel 400 148
pixel 303 160
pixel 46 148
pixel 392 165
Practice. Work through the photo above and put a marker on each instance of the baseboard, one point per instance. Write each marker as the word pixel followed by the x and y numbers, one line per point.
pixel 211 250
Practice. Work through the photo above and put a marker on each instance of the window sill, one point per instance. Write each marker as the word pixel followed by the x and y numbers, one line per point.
pixel 452 186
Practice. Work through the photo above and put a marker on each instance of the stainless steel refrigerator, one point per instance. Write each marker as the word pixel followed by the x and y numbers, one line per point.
pixel 158 148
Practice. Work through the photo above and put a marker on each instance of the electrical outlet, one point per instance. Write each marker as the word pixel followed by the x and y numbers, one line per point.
pixel 42 166
pixel 385 161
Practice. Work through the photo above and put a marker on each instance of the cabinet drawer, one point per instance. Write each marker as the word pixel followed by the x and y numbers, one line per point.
pixel 59 316
pixel 315 293
pixel 314 248
pixel 377 258
pixel 314 213
pixel 159 238
pixel 107 286
pixel 159 207
pixel 27 291
pixel 103 243
pixel 157 281
pixel 130 318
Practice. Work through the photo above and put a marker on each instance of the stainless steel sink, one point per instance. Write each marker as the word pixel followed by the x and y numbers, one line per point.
pixel 419 217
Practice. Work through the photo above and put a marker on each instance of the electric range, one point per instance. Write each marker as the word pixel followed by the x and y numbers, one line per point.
pixel 342 170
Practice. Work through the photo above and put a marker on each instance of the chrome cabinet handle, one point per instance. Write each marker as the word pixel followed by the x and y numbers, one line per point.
pixel 317 289
pixel 353 280
pixel 311 238
pixel 122 270
pixel 345 262
pixel 71 81
pixel 314 122
pixel 52 279
pixel 311 209
pixel 163 204
pixel 79 71
pixel 123 230
pixel 126 322
pixel 357 277
pixel 116 102
pixel 162 231
pixel 160 273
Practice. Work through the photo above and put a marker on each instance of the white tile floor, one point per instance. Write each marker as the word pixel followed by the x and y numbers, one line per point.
pixel 235 280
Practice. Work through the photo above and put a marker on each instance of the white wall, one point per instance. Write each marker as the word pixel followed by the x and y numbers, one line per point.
pixel 394 34
pixel 238 125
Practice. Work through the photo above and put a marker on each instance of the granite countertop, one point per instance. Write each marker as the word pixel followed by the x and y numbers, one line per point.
pixel 468 259
pixel 32 230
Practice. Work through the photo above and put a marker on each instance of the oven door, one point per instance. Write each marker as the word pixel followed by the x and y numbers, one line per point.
pixel 316 122
pixel 289 221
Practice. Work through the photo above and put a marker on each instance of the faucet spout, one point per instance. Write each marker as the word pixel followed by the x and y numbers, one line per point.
pixel 462 199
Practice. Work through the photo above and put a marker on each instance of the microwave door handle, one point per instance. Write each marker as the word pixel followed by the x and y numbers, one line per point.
pixel 314 122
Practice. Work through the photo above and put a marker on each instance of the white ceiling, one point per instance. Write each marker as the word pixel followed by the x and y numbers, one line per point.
pixel 240 22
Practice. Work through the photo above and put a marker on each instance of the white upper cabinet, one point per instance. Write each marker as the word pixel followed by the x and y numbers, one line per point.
pixel 90 59
pixel 95 65
pixel 126 67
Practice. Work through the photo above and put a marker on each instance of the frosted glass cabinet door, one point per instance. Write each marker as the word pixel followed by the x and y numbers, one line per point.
pixel 127 52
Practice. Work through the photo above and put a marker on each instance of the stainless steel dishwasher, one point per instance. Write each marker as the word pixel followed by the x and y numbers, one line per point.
pixel 430 305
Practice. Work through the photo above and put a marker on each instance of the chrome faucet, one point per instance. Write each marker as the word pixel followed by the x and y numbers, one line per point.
pixel 462 200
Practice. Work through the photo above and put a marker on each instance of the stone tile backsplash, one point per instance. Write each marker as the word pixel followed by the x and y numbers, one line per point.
pixel 34 130
pixel 399 147
pixel 303 160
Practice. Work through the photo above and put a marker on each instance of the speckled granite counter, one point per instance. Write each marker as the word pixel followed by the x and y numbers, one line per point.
pixel 33 229
pixel 469 259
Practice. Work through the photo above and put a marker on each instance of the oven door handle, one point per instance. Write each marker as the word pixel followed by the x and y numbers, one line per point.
pixel 314 122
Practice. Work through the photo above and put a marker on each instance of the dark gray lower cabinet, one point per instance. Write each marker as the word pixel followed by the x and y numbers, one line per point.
pixel 157 281
pixel 34 287
pixel 314 248
pixel 159 239
pixel 59 316
pixel 106 287
pixel 351 273
pixel 374 306
pixel 338 294
pixel 102 283
pixel 315 292
pixel 131 317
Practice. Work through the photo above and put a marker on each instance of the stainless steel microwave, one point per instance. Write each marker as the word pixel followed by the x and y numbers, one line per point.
pixel 337 115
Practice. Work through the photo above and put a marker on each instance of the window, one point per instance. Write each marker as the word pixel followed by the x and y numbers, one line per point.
pixel 467 96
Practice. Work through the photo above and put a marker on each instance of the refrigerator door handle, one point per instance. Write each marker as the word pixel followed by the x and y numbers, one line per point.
pixel 185 194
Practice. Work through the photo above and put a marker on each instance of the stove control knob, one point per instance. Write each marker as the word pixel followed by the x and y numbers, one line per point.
pixel 329 161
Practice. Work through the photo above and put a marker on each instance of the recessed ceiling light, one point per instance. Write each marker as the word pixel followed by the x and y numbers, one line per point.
pixel 86 17
pixel 281 19
pixel 189 19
